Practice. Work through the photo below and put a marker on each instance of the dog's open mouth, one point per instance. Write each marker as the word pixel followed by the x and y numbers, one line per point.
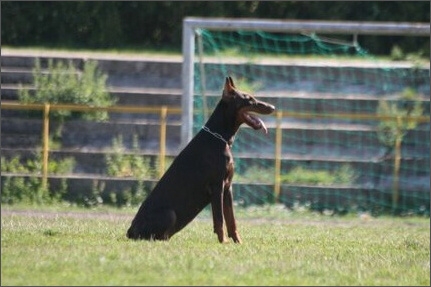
pixel 251 119
pixel 248 115
pixel 254 122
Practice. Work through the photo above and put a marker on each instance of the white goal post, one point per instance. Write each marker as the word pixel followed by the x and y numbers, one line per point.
pixel 192 24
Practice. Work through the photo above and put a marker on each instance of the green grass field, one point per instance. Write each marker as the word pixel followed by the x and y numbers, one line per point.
pixel 72 246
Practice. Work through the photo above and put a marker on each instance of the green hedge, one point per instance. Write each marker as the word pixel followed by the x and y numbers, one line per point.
pixel 158 24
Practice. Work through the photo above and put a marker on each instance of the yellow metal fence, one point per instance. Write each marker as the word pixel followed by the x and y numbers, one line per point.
pixel 163 111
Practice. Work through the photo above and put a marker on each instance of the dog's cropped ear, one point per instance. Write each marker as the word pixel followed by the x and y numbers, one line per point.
pixel 231 82
pixel 228 88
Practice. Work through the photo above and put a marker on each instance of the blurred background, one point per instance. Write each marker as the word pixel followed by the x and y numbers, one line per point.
pixel 158 24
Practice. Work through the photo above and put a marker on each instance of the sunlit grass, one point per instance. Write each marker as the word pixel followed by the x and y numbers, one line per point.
pixel 73 246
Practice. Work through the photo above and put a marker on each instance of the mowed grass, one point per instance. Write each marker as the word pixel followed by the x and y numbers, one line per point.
pixel 83 247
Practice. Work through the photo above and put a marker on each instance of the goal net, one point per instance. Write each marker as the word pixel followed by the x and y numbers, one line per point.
pixel 351 131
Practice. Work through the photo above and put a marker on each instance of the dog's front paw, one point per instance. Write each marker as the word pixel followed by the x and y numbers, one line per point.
pixel 220 235
pixel 222 238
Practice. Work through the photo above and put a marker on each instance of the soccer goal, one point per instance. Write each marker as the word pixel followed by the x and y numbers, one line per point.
pixel 351 131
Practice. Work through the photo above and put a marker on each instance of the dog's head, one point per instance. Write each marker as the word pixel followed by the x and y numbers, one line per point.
pixel 246 106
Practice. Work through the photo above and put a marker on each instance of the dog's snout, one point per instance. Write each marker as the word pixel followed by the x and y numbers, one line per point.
pixel 271 107
pixel 265 108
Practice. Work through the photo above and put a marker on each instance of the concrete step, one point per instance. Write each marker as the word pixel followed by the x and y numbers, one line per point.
pixel 135 71
pixel 26 61
pixel 16 76
pixel 14 140
pixel 368 169
pixel 125 96
pixel 152 71
pixel 288 101
pixel 90 161
pixel 319 198
pixel 330 77
pixel 25 58
pixel 81 134
pixel 321 102
pixel 297 135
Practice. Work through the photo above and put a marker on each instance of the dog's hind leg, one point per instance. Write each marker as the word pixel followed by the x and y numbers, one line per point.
pixel 155 226
pixel 229 215
pixel 162 224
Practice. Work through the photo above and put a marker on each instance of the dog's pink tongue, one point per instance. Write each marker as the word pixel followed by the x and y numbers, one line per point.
pixel 256 123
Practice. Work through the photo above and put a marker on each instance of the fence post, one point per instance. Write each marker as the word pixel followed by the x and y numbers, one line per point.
pixel 397 164
pixel 277 169
pixel 45 145
pixel 163 113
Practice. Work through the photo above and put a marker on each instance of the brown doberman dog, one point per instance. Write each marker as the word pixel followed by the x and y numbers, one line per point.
pixel 201 173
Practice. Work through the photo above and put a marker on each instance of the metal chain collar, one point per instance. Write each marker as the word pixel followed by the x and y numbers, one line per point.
pixel 219 136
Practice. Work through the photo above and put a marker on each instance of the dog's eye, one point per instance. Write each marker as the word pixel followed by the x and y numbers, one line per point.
pixel 247 97
pixel 250 99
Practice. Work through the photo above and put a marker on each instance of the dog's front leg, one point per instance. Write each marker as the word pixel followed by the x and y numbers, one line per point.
pixel 217 211
pixel 229 215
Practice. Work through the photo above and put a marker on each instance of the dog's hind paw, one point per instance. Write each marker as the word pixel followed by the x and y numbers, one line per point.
pixel 236 238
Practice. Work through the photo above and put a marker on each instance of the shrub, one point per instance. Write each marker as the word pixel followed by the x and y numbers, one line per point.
pixel 397 53
pixel 255 174
pixel 299 175
pixel 129 197
pixel 16 165
pixel 30 189
pixel 389 130
pixel 64 84
pixel 121 164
